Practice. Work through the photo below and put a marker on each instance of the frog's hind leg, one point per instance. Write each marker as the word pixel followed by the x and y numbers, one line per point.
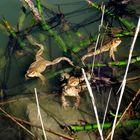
pixel 40 51
pixel 64 102
pixel 58 60
pixel 77 103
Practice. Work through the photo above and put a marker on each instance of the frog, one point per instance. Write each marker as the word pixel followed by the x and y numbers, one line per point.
pixel 111 47
pixel 72 88
pixel 73 92
pixel 40 64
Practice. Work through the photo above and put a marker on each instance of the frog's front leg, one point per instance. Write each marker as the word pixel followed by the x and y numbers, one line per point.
pixel 64 102
pixel 111 53
pixel 42 78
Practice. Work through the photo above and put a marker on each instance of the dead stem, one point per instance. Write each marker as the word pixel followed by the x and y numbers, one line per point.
pixel 124 113
pixel 7 102
pixel 125 76
pixel 39 114
pixel 33 9
pixel 46 129
pixel 131 79
pixel 14 120
pixel 93 104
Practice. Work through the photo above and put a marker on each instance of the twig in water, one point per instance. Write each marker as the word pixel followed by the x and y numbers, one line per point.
pixel 39 114
pixel 46 129
pixel 7 102
pixel 14 120
pixel 124 79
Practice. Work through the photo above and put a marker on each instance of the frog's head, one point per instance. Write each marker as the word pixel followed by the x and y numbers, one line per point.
pixel 117 41
pixel 30 74
pixel 73 81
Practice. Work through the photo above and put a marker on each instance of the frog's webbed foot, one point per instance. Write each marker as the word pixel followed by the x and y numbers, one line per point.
pixel 42 78
pixel 65 104
pixel 26 76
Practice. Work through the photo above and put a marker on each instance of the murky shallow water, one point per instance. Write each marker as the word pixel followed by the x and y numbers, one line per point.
pixel 15 87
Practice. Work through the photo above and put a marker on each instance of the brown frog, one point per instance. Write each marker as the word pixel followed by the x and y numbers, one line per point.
pixel 111 47
pixel 72 88
pixel 40 64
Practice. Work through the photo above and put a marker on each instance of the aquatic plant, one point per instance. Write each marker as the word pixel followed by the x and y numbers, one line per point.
pixel 89 127
pixel 124 113
pixel 125 75
pixel 37 13
pixel 118 63
pixel 12 32
pixel 129 25
pixel 48 28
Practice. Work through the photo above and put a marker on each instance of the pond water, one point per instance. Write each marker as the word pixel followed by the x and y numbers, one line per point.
pixel 71 32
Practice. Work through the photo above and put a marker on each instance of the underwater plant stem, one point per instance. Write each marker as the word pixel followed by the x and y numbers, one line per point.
pixel 46 26
pixel 93 103
pixel 122 116
pixel 12 32
pixel 39 8
pixel 88 127
pixel 14 120
pixel 38 15
pixel 86 42
pixel 126 23
pixel 117 63
pixel 39 114
pixel 124 79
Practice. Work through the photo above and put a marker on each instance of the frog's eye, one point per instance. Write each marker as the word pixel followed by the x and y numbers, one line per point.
pixel 32 73
pixel 118 39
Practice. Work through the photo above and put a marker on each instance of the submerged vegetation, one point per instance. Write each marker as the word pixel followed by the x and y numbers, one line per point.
pixel 92 57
